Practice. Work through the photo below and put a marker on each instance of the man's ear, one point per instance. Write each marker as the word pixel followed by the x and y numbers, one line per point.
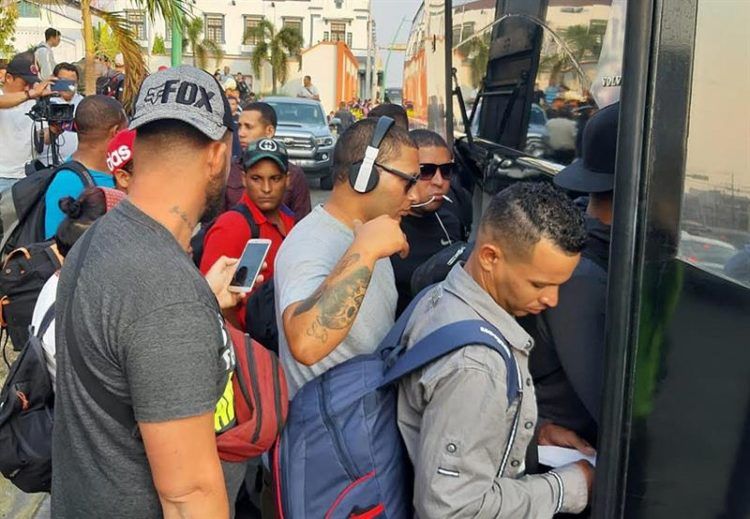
pixel 122 179
pixel 489 255
pixel 270 131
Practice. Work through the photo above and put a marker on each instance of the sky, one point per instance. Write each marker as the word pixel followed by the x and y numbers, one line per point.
pixel 388 14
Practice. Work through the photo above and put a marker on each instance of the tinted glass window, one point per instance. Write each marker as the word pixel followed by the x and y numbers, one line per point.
pixel 298 113
pixel 716 207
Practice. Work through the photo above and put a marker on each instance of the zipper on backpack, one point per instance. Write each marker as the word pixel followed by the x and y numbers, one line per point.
pixel 338 443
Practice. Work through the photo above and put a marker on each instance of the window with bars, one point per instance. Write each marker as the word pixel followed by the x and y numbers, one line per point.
pixel 28 10
pixel 295 23
pixel 338 31
pixel 251 23
pixel 326 36
pixel 214 28
pixel 349 40
pixel 136 21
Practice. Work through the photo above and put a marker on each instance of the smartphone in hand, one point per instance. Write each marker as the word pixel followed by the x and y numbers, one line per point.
pixel 248 268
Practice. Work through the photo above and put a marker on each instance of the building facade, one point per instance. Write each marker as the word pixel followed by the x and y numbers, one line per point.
pixel 225 22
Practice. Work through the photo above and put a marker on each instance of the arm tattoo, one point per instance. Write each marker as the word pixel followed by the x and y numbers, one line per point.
pixel 338 300
pixel 308 304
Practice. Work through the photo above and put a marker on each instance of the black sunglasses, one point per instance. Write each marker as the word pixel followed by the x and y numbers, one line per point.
pixel 411 180
pixel 427 170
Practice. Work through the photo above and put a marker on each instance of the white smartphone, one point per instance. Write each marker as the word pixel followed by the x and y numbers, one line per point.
pixel 249 265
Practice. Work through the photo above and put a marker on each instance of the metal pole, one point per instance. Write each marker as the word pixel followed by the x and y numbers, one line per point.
pixel 368 64
pixel 177 41
pixel 390 50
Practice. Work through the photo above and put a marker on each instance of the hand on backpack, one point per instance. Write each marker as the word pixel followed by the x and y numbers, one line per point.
pixel 218 278
pixel 381 237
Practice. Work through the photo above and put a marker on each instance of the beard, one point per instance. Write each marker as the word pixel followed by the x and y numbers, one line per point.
pixel 214 199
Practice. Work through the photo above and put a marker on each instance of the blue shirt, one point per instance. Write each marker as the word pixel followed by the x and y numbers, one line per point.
pixel 67 183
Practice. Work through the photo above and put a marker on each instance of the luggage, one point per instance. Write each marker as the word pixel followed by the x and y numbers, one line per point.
pixel 23 275
pixel 341 454
pixel 26 416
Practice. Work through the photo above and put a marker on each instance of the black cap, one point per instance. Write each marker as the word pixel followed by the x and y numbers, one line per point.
pixel 595 171
pixel 23 65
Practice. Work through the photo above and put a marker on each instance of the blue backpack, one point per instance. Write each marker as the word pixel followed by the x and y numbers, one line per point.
pixel 341 454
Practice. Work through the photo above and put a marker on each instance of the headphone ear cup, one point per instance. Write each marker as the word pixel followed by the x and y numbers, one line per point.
pixel 372 181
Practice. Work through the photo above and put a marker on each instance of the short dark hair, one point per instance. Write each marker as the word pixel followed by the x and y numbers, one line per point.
pixel 80 214
pixel 351 146
pixel 3 64
pixel 66 66
pixel 428 139
pixel 98 113
pixel 266 111
pixel 522 214
pixel 395 112
pixel 164 133
pixel 51 33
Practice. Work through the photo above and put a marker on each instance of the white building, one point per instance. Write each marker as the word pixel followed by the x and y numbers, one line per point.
pixel 224 21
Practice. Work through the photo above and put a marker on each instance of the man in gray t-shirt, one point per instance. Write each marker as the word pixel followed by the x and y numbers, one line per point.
pixel 147 325
pixel 335 291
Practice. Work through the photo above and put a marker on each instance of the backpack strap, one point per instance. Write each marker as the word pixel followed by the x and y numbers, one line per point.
pixel 79 169
pixel 245 211
pixel 49 316
pixel 108 402
pixel 450 338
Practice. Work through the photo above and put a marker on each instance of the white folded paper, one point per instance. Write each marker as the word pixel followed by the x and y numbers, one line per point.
pixel 559 456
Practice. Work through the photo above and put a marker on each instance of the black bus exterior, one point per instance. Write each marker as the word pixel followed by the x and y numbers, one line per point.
pixel 675 428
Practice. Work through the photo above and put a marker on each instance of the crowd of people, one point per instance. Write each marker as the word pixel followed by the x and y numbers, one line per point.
pixel 148 215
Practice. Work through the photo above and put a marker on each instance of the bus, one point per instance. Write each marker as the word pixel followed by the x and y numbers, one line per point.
pixel 511 83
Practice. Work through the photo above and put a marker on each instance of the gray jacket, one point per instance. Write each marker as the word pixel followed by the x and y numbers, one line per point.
pixel 455 420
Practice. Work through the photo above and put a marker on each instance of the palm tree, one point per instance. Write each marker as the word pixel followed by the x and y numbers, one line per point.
pixel 477 51
pixel 133 55
pixel 582 41
pixel 275 48
pixel 201 47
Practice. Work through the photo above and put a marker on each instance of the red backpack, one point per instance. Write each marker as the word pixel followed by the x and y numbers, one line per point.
pixel 261 401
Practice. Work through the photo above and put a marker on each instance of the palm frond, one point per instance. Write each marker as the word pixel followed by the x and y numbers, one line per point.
pixel 135 65
pixel 170 10
pixel 291 40
pixel 213 49
pixel 260 54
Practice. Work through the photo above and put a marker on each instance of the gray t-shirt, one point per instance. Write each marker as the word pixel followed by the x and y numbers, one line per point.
pixel 149 327
pixel 305 259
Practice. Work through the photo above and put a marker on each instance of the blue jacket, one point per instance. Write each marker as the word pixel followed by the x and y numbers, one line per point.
pixel 67 183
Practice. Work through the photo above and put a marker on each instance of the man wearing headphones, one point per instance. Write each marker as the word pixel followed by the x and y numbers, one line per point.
pixel 335 290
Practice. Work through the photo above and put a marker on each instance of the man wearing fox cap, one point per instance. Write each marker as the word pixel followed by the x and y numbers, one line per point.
pixel 120 158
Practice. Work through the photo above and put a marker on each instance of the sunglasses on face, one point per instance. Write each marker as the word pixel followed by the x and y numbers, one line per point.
pixel 427 170
pixel 411 180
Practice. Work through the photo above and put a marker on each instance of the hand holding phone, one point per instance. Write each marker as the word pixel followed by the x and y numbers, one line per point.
pixel 249 265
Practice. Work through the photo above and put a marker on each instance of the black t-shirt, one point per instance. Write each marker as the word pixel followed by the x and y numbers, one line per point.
pixel 426 235
pixel 150 329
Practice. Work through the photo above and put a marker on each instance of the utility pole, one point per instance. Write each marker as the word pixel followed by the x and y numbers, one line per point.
pixel 388 58
pixel 368 65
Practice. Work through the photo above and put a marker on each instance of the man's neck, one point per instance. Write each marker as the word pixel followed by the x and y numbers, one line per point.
pixel 600 208
pixel 170 205
pixel 345 207
pixel 92 156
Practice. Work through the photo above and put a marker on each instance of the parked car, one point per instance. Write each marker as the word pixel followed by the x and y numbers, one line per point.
pixel 537 136
pixel 303 128
pixel 707 253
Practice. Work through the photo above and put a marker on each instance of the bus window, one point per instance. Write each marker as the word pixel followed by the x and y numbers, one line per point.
pixel 715 224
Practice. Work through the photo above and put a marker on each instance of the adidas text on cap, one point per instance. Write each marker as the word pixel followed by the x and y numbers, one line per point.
pixel 186 94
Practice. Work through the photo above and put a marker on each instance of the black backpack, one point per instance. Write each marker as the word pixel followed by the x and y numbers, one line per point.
pixel 260 311
pixel 24 273
pixel 26 416
pixel 22 207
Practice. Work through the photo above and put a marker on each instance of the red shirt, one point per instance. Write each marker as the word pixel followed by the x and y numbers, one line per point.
pixel 230 233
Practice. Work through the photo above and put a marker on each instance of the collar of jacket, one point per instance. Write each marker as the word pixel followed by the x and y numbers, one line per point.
pixel 463 286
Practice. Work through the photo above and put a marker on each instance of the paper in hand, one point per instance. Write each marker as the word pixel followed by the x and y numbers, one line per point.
pixel 558 456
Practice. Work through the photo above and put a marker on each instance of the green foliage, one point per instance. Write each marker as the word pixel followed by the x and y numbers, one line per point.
pixel 105 42
pixel 8 17
pixel 275 48
pixel 202 49
pixel 159 48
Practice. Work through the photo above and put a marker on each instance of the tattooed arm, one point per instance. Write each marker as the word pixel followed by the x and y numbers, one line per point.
pixel 316 325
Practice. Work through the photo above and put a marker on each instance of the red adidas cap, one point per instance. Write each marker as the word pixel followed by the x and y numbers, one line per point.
pixel 120 150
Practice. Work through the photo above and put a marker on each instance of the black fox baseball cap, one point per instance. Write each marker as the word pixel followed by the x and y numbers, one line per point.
pixel 186 94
